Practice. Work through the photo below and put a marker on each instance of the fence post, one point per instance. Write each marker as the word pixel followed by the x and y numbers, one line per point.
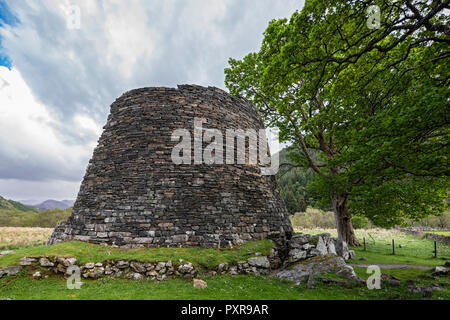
pixel 435 249
pixel 393 247
pixel 364 240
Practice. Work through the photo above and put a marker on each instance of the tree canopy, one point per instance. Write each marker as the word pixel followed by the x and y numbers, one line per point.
pixel 372 102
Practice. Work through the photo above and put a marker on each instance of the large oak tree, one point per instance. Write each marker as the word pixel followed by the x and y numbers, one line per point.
pixel 372 102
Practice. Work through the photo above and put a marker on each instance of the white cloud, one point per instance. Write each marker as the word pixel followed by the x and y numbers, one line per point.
pixel 29 140
pixel 56 98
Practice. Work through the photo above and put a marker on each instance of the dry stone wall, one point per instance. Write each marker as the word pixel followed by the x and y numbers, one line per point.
pixel 134 195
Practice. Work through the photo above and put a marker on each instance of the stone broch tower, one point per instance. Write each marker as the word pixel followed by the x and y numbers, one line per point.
pixel 134 195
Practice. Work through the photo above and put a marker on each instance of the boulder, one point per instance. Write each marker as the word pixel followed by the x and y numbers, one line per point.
pixel 319 264
pixel 200 284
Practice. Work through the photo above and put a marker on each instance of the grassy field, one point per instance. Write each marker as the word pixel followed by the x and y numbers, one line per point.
pixel 15 237
pixel 413 251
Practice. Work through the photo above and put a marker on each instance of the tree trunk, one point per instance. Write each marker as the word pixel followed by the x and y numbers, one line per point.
pixel 343 220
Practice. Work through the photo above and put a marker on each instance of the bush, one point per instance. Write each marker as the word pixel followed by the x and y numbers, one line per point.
pixel 360 222
pixel 313 218
pixel 435 222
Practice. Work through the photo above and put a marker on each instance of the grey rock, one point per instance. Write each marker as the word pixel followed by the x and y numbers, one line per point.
pixel 45 262
pixel 299 240
pixel 27 261
pixel 351 254
pixel 259 262
pixel 122 264
pixel 135 276
pixel 440 271
pixel 186 268
pixel 322 246
pixel 137 267
pixel 2 253
pixel 223 267
pixel 296 255
pixel 10 271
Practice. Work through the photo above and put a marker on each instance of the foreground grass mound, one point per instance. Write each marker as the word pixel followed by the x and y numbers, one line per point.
pixel 224 287
pixel 87 252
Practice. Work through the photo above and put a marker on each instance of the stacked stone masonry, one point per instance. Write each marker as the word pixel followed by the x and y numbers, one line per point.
pixel 134 195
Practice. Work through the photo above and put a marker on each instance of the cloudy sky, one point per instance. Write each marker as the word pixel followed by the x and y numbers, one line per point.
pixel 59 74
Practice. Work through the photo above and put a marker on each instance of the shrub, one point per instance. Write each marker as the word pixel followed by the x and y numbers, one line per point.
pixel 360 222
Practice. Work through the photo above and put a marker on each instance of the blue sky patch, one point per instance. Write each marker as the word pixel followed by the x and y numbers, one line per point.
pixel 6 18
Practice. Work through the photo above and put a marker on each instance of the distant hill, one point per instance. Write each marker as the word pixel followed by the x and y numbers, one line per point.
pixel 14 205
pixel 54 204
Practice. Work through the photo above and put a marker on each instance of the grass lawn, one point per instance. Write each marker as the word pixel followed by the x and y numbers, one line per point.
pixel 219 288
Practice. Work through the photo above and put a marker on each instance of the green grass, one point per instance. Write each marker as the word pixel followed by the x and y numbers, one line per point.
pixel 219 288
pixel 86 252
pixel 442 232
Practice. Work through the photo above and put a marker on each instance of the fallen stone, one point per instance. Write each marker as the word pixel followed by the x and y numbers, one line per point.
pixel 440 271
pixel 2 253
pixel 200 284
pixel 36 275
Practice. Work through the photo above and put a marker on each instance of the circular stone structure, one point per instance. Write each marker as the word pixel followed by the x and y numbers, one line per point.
pixel 134 195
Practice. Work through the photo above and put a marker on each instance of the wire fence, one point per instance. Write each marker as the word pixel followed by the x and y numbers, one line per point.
pixel 420 248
